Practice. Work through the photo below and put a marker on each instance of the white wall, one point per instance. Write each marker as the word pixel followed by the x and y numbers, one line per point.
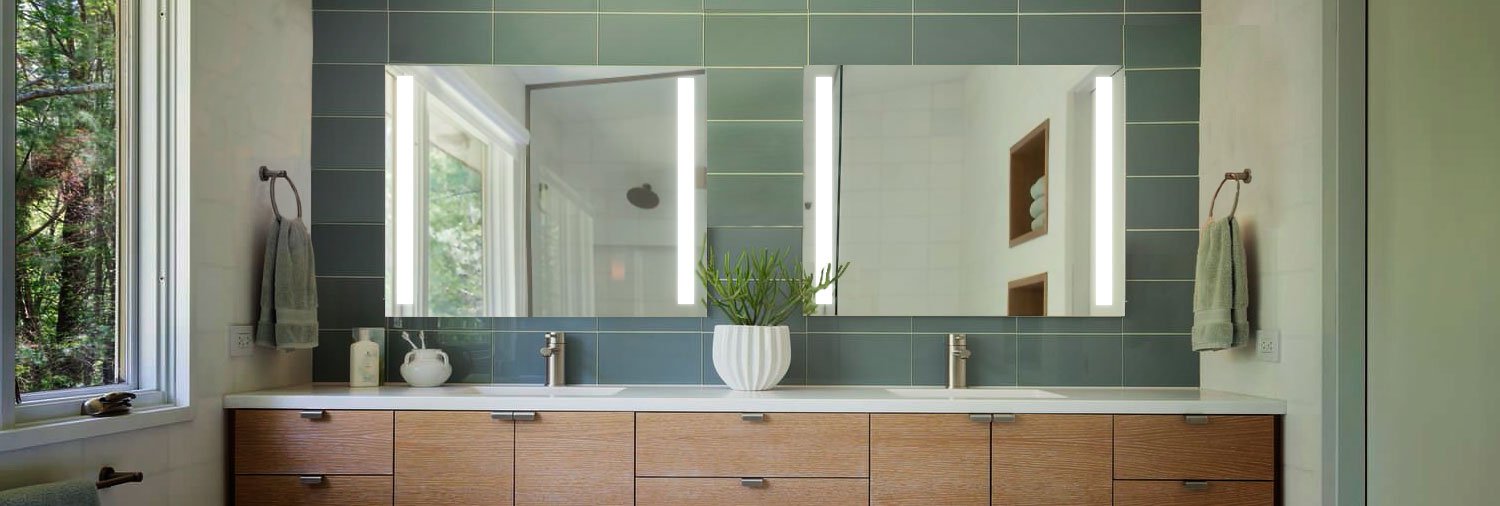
pixel 1433 287
pixel 1262 108
pixel 251 76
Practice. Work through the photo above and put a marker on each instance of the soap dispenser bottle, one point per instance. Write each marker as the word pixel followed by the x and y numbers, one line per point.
pixel 364 358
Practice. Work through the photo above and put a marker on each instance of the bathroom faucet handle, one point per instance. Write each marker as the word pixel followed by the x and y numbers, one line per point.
pixel 548 351
pixel 962 353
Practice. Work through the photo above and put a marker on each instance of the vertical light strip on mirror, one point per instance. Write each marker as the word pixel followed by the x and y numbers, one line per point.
pixel 823 182
pixel 1104 191
pixel 405 189
pixel 687 207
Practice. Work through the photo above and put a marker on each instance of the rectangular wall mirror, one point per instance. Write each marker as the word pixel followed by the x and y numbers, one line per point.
pixel 966 190
pixel 544 191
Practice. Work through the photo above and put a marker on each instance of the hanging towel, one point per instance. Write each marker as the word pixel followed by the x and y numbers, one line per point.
pixel 60 493
pixel 1038 207
pixel 1040 188
pixel 1221 291
pixel 288 289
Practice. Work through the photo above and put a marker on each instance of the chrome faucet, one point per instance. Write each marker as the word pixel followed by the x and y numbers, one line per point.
pixel 553 350
pixel 958 361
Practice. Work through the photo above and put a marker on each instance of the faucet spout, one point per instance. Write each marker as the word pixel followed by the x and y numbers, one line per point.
pixel 553 350
pixel 958 361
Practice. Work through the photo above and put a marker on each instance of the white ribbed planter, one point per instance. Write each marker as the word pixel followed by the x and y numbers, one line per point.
pixel 748 357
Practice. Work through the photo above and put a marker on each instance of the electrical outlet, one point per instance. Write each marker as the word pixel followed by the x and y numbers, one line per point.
pixel 241 340
pixel 1268 345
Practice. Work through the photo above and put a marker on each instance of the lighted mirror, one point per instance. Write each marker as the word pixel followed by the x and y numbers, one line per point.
pixel 544 191
pixel 966 190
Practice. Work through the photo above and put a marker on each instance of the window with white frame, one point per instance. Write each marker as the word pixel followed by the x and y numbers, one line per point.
pixel 92 273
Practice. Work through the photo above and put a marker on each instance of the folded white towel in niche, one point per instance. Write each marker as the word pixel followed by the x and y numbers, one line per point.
pixel 1040 188
pixel 1038 207
pixel 1039 222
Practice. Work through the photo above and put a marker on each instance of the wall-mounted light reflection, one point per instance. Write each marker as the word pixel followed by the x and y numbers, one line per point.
pixel 687 207
pixel 823 181
pixel 406 189
pixel 1104 191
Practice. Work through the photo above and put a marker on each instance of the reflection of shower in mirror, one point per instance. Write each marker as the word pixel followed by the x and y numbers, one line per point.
pixel 643 197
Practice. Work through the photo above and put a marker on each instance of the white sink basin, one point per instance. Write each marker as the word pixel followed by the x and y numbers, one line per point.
pixel 974 393
pixel 521 391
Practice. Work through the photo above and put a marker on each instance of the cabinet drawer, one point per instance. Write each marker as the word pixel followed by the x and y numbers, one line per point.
pixel 778 491
pixel 1175 447
pixel 329 491
pixel 334 442
pixel 822 445
pixel 454 457
pixel 1051 460
pixel 1210 493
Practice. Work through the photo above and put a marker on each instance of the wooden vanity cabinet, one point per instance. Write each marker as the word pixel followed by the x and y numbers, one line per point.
pixel 311 457
pixel 582 458
pixel 1046 460
pixel 922 459
pixel 454 457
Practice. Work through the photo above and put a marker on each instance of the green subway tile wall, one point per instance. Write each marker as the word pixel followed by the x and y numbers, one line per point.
pixel 755 49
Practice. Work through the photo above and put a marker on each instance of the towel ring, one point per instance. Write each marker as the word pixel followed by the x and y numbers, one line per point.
pixel 272 176
pixel 1237 177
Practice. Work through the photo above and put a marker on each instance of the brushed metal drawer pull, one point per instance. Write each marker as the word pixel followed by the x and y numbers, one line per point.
pixel 981 418
pixel 310 480
pixel 502 415
pixel 314 414
pixel 1195 485
pixel 1005 418
pixel 753 417
pixel 523 416
pixel 1195 419
pixel 753 482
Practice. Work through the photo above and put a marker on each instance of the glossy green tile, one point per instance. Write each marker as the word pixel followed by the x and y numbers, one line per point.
pixel 1161 254
pixel 348 196
pixel 729 240
pixel 349 37
pixel 755 5
pixel 1163 5
pixel 515 358
pixel 348 142
pixel 469 353
pixel 349 250
pixel 964 324
pixel 464 323
pixel 1163 40
pixel 1160 361
pixel 901 324
pixel 755 40
pixel 348 5
pixel 1161 203
pixel 422 37
pixel 545 5
pixel 346 303
pixel 633 359
pixel 331 357
pixel 1161 95
pixel 650 5
pixel 1066 361
pixel 1161 150
pixel 859 5
pixel 736 200
pixel 1104 6
pixel 1068 325
pixel 859 359
pixel 441 5
pixel 674 324
pixel 558 323
pixel 796 373
pixel 348 90
pixel 544 39
pixel 979 6
pixel 1159 306
pixel 758 94
pixel 643 39
pixel 760 147
pixel 1071 40
pixel 965 40
pixel 861 40
pixel 992 364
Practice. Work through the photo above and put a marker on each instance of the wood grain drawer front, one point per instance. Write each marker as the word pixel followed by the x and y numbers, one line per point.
pixel 929 459
pixel 337 442
pixel 576 458
pixel 772 491
pixel 814 445
pixel 1213 493
pixel 1174 447
pixel 1052 460
pixel 276 490
pixel 453 457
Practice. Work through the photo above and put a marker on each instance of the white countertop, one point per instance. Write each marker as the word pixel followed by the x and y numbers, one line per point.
pixel 817 399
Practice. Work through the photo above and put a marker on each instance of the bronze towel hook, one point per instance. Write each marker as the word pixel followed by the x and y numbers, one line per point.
pixel 272 176
pixel 1238 177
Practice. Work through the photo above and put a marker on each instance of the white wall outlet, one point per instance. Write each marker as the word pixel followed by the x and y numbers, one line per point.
pixel 1268 345
pixel 241 340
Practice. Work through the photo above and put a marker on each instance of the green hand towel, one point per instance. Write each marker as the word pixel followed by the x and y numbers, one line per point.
pixel 61 493
pixel 1221 291
pixel 288 289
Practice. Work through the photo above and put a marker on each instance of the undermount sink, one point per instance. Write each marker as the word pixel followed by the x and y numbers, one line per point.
pixel 540 391
pixel 974 393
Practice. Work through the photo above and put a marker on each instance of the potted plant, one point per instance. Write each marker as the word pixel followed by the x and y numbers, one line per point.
pixel 758 292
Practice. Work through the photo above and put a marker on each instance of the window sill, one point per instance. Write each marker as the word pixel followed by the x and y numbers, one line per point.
pixel 79 427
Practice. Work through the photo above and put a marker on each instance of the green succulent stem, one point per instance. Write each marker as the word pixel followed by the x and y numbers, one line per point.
pixel 764 287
